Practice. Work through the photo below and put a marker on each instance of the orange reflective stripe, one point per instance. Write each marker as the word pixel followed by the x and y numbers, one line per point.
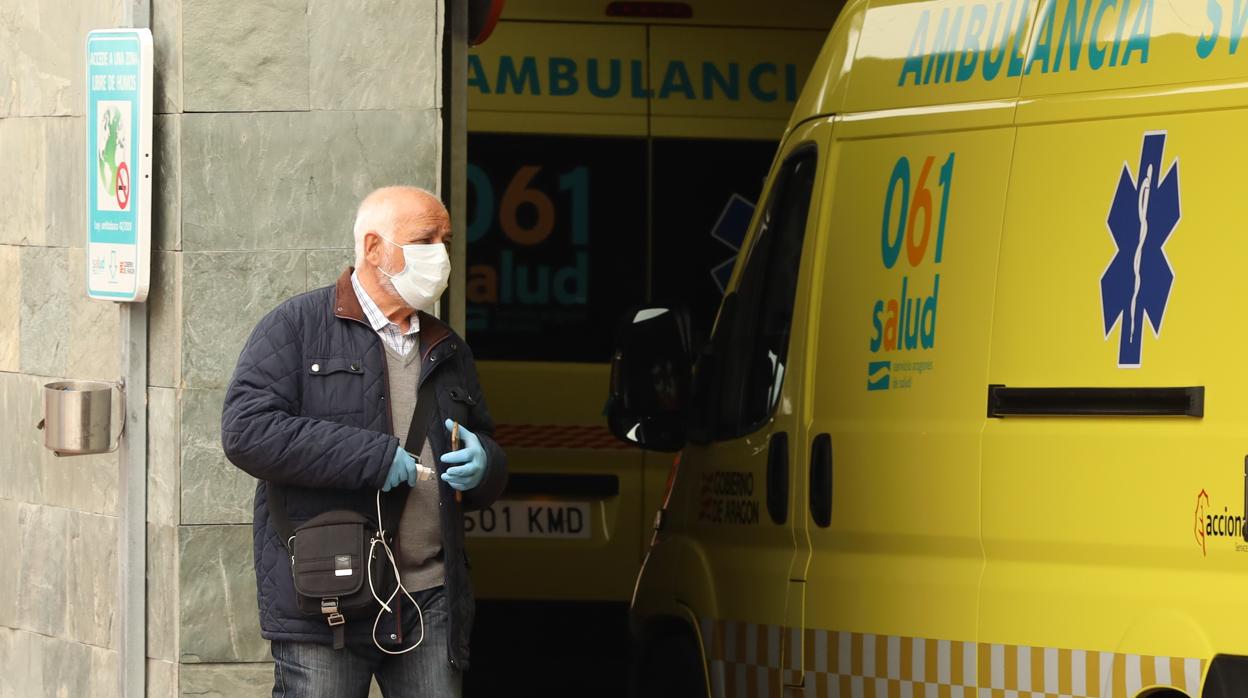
pixel 574 436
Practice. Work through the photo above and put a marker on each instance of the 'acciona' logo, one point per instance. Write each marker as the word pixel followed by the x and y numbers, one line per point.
pixel 1212 525
pixel 1137 283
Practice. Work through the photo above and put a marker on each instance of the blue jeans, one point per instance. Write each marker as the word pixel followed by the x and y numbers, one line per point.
pixel 309 670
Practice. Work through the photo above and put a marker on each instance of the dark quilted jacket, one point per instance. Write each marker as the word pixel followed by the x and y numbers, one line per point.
pixel 326 436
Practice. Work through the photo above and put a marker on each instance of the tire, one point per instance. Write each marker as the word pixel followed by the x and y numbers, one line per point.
pixel 669 665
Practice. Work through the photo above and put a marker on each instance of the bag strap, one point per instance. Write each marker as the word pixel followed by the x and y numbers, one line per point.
pixel 391 502
pixel 422 415
pixel 275 495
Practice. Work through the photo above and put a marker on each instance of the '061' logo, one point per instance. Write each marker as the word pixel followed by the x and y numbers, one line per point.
pixel 912 243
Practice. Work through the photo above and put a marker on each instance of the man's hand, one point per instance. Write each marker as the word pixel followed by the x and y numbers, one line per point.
pixel 403 468
pixel 471 456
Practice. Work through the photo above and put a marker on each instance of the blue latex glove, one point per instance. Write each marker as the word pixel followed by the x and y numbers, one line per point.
pixel 403 469
pixel 469 461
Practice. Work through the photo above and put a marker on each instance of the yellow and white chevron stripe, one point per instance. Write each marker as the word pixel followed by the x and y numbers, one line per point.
pixel 744 661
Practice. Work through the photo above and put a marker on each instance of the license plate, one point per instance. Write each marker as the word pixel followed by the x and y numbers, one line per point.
pixel 529 519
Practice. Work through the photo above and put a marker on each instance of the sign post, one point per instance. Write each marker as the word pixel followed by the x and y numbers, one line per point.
pixel 119 164
pixel 119 247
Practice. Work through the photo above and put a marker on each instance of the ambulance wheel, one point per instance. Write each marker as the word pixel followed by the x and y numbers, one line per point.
pixel 669 666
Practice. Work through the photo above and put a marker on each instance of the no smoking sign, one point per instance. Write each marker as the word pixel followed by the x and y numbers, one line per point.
pixel 123 185
pixel 119 163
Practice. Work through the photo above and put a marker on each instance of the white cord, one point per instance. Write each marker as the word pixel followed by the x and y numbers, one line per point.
pixel 385 605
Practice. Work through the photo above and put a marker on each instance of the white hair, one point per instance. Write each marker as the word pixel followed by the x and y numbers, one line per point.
pixel 376 214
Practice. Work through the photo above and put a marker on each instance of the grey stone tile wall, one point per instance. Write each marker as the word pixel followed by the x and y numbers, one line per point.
pixel 73 669
pixel 92 327
pixel 167 44
pixel 22 653
pixel 325 266
pixel 162 592
pixel 44 318
pixel 91 578
pixel 80 483
pixel 166 187
pixel 361 62
pixel 42 561
pixel 44 204
pixel 104 676
pixel 22 459
pixel 64 197
pixel 58 615
pixel 213 490
pixel 275 118
pixel 227 680
pixel 232 681
pixel 41 54
pixel 62 580
pixel 10 298
pixel 292 181
pixel 47 666
pixel 10 577
pixel 164 321
pixel 21 141
pixel 67 668
pixel 250 56
pixel 61 332
pixel 164 492
pixel 219 621
pixel 224 295
pixel 162 679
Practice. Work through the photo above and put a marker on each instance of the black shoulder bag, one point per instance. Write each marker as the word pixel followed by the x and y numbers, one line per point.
pixel 337 574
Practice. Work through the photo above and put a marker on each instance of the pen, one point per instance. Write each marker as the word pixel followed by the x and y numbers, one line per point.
pixel 459 496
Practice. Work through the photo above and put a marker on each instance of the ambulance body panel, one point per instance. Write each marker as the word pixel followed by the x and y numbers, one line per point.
pixel 906 457
pixel 825 88
pixel 1120 498
pixel 1016 427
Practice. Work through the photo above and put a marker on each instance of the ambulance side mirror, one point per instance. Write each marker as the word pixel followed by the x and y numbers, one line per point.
pixel 651 370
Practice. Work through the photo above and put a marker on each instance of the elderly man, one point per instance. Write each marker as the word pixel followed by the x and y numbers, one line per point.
pixel 319 409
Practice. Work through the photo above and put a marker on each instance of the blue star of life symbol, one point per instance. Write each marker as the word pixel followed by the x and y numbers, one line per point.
pixel 1136 285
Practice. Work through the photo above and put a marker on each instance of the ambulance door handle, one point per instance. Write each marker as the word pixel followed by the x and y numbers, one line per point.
pixel 778 477
pixel 821 480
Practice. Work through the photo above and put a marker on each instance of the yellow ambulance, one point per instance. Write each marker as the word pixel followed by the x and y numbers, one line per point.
pixel 957 431
pixel 615 153
pixel 584 121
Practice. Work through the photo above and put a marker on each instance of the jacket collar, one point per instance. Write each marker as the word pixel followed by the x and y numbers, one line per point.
pixel 347 307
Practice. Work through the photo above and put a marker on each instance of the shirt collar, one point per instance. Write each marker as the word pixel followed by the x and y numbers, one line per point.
pixel 376 318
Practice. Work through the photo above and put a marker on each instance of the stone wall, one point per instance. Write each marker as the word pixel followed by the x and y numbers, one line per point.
pixel 58 517
pixel 274 118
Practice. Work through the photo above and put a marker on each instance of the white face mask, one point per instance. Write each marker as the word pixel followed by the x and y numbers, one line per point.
pixel 426 270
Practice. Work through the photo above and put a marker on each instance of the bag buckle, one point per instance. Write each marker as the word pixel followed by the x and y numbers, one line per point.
pixel 329 606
